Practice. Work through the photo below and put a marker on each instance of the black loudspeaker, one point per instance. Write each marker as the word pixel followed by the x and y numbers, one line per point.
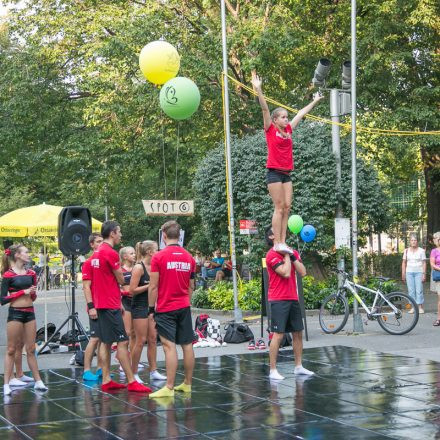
pixel 74 229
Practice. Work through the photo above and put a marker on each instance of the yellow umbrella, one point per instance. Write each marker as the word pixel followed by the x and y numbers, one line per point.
pixel 35 221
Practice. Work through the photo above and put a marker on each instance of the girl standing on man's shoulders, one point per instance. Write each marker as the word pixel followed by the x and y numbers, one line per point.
pixel 279 163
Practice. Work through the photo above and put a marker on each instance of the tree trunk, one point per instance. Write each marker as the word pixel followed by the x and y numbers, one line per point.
pixel 431 169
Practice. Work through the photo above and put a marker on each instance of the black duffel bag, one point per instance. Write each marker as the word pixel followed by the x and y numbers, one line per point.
pixel 238 333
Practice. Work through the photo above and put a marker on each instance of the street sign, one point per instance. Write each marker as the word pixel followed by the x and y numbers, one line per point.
pixel 168 207
pixel 248 227
pixel 342 233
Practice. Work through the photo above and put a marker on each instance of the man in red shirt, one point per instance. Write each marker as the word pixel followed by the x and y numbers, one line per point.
pixel 95 241
pixel 285 312
pixel 171 285
pixel 107 276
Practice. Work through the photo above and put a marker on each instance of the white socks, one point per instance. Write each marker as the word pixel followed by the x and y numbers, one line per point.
pixel 7 390
pixel 274 375
pixel 138 379
pixel 39 385
pixel 155 375
pixel 301 370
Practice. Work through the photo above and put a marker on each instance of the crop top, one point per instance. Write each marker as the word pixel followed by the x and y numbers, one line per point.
pixel 14 285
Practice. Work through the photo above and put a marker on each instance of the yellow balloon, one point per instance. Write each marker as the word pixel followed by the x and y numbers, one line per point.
pixel 159 62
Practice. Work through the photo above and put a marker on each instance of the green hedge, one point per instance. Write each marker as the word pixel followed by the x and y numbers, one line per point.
pixel 221 297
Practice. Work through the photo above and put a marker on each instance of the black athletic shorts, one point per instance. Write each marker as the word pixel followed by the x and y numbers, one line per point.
pixel 176 326
pixel 285 316
pixel 111 326
pixel 126 302
pixel 94 328
pixel 274 176
pixel 139 312
pixel 21 314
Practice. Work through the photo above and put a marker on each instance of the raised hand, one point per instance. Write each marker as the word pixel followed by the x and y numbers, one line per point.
pixel 318 96
pixel 256 81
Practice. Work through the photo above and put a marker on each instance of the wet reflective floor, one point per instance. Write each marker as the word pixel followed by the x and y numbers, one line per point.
pixel 356 394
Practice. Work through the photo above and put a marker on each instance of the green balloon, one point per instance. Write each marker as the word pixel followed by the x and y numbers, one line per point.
pixel 179 98
pixel 295 223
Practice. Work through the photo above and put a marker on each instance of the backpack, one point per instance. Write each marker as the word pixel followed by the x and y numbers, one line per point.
pixel 79 357
pixel 237 333
pixel 39 337
pixel 213 329
pixel 201 326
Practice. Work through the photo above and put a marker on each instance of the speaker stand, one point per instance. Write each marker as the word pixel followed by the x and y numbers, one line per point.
pixel 73 315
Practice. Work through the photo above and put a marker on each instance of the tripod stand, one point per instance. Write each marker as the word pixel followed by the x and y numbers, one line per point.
pixel 73 314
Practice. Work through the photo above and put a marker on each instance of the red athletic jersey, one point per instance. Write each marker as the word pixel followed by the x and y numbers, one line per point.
pixel 279 149
pixel 87 275
pixel 106 291
pixel 176 267
pixel 280 288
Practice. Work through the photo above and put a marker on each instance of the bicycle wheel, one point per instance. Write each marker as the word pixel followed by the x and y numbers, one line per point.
pixel 400 322
pixel 333 314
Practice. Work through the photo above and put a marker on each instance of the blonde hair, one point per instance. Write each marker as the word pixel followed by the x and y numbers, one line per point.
pixel 436 236
pixel 123 251
pixel 143 247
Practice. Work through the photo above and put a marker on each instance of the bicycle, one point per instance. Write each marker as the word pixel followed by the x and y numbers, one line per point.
pixel 396 312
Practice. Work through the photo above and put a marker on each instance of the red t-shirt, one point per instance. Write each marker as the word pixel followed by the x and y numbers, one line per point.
pixel 106 291
pixel 280 289
pixel 87 274
pixel 176 267
pixel 279 149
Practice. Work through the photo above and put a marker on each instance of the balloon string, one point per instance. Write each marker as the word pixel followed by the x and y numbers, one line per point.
pixel 163 159
pixel 177 158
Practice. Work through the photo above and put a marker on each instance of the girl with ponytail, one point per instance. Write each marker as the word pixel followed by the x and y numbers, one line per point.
pixel 18 289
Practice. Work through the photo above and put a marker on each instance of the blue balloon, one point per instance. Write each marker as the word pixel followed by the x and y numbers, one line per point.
pixel 308 233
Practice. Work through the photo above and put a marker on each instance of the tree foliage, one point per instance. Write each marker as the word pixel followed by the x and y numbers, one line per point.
pixel 314 180
pixel 78 123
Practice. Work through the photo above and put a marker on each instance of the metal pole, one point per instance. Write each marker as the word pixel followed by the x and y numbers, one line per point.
pixel 336 146
pixel 238 316
pixel 357 321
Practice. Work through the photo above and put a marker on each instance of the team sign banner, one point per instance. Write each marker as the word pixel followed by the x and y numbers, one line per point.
pixel 168 207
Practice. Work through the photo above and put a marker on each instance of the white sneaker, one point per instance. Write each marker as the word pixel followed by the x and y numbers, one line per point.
pixel 72 360
pixel 274 375
pixel 301 370
pixel 155 375
pixel 141 366
pixel 39 385
pixel 7 390
pixel 283 249
pixel 411 311
pixel 27 379
pixel 138 379
pixel 14 382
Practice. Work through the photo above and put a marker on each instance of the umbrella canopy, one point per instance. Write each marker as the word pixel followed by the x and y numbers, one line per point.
pixel 35 221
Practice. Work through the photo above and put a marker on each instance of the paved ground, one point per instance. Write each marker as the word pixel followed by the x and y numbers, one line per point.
pixel 422 342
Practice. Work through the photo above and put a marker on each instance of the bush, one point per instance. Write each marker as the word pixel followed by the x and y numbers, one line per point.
pixel 315 291
pixel 200 299
pixel 221 295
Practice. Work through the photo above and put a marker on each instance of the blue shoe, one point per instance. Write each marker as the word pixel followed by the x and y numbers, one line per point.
pixel 99 372
pixel 88 375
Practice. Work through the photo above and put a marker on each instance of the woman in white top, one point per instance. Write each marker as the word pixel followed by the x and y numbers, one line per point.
pixel 413 271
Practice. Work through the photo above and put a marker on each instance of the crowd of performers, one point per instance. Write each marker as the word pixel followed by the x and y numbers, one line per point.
pixel 137 294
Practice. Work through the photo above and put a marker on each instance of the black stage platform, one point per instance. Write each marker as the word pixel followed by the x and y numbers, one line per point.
pixel 356 394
